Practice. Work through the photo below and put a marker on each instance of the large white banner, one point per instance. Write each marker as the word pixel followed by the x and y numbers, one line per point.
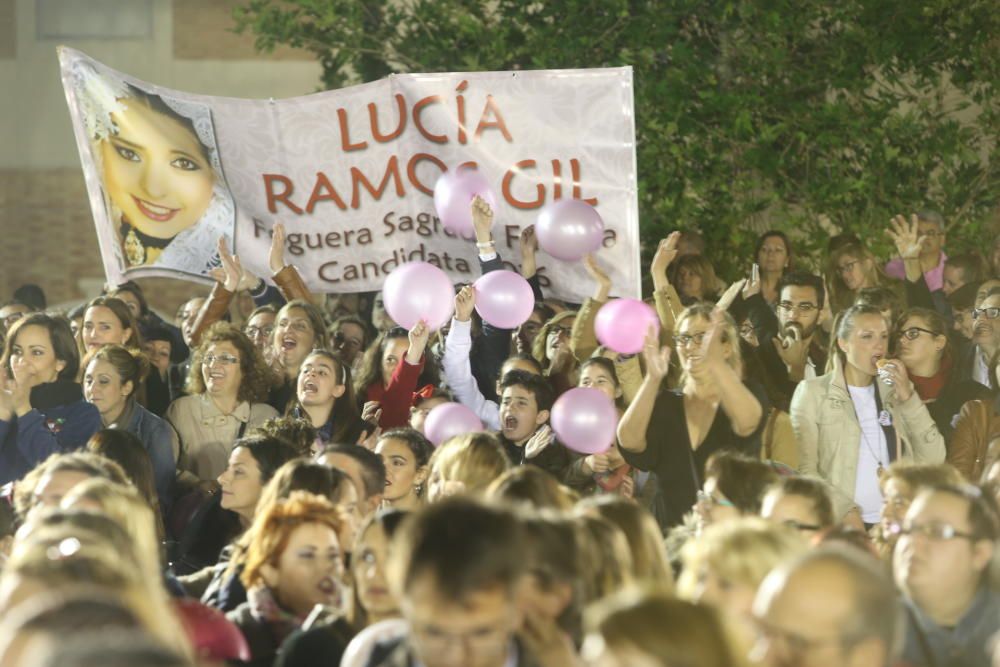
pixel 351 172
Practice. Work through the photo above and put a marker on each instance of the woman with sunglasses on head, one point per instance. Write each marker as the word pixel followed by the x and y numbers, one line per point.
pixel 921 343
pixel 672 433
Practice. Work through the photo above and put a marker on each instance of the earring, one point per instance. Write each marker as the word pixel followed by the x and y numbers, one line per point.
pixel 418 489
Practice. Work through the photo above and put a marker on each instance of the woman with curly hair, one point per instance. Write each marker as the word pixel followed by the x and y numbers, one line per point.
pixel 227 386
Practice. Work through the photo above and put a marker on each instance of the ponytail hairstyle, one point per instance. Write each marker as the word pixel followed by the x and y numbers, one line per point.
pixel 124 315
pixel 130 364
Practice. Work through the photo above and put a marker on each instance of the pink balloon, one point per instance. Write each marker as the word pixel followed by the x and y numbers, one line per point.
pixel 569 229
pixel 448 420
pixel 622 324
pixel 418 291
pixel 453 195
pixel 585 420
pixel 504 299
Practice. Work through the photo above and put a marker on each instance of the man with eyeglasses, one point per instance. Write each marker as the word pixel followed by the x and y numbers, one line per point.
pixel 975 362
pixel 834 606
pixel 930 225
pixel 455 568
pixel 790 350
pixel 941 564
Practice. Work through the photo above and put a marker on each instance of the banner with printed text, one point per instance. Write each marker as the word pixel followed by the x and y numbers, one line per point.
pixel 351 172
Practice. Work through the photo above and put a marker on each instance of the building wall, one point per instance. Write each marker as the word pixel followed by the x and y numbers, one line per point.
pixel 45 221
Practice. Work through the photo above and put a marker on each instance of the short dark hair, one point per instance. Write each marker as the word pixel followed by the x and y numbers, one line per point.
pixel 526 358
pixel 964 297
pixel 971 264
pixel 815 490
pixel 465 545
pixel 372 467
pixel 269 452
pixel 741 479
pixel 127 450
pixel 803 279
pixel 31 295
pixel 419 446
pixel 536 384
pixel 132 288
pixel 63 343
pixel 984 517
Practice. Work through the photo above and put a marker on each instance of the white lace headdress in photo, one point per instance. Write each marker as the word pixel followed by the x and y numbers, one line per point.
pixel 194 249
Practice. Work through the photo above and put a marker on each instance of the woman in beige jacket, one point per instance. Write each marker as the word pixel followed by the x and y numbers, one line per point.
pixel 854 421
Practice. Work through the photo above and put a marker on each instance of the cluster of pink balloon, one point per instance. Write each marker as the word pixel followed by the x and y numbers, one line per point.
pixel 583 419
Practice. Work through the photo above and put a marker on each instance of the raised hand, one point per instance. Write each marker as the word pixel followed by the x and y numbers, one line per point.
pixel 418 336
pixel 542 438
pixel 276 257
pixel 598 274
pixel 465 303
pixel 657 358
pixel 482 219
pixel 751 285
pixel 729 295
pixel 666 252
pixel 906 236
pixel 528 243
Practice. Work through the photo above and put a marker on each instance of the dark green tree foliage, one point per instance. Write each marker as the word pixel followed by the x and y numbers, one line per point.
pixel 757 113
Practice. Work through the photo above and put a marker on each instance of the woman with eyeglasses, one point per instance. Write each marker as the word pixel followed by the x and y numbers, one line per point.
pixel 863 415
pixel 851 267
pixel 900 485
pixel 325 396
pixel 226 386
pixel 553 351
pixel 393 368
pixel 673 432
pixel 921 343
pixel 350 336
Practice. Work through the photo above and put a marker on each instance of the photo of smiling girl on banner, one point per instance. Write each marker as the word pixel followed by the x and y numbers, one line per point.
pixel 160 175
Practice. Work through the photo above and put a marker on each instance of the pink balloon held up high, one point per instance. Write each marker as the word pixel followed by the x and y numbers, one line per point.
pixel 504 299
pixel 569 229
pixel 453 194
pixel 448 420
pixel 418 291
pixel 585 420
pixel 622 324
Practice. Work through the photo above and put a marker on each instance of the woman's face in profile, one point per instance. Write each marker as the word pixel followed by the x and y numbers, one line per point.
pixel 156 172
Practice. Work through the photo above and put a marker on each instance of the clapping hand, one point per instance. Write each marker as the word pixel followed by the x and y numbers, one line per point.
pixel 666 252
pixel 657 358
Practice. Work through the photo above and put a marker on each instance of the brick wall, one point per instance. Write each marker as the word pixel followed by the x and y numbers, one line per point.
pixel 49 239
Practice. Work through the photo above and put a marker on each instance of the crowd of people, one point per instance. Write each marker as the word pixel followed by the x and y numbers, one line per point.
pixel 806 471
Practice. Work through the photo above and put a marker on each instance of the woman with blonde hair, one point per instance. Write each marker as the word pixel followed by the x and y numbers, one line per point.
pixel 654 629
pixel 124 505
pixel 673 432
pixel 605 559
pixel 465 464
pixel 854 421
pixel 649 553
pixel 552 349
pixel 724 566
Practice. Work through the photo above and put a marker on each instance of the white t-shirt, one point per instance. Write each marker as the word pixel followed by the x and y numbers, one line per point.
pixel 981 370
pixel 872 453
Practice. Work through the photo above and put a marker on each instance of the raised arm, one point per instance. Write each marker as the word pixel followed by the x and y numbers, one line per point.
pixel 668 302
pixel 456 364
pixel 583 340
pixel 285 276
pixel 739 403
pixel 634 423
